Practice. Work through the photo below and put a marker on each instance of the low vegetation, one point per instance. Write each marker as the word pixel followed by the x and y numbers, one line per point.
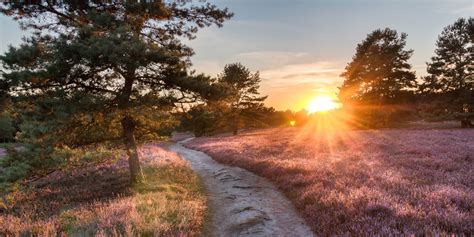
pixel 370 182
pixel 97 200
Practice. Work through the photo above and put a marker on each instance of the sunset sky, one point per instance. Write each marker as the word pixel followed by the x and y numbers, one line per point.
pixel 301 47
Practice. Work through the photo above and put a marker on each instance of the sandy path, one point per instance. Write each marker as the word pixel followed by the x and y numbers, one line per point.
pixel 242 203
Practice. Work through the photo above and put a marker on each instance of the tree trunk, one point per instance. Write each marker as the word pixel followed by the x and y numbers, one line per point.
pixel 136 174
pixel 235 126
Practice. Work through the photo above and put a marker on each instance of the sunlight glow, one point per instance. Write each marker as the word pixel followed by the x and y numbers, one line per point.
pixel 322 104
pixel 292 122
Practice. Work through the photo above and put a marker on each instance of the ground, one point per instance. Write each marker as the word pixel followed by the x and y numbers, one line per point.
pixel 367 182
pixel 97 200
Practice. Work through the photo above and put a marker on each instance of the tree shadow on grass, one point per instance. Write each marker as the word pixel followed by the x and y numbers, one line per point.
pixel 63 190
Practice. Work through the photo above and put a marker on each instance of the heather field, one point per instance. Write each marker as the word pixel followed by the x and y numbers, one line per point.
pixel 97 200
pixel 368 182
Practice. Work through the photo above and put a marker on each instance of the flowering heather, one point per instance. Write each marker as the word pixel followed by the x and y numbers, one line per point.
pixel 371 182
pixel 97 200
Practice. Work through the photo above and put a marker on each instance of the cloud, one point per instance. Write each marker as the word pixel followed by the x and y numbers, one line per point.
pixel 292 86
pixel 322 73
pixel 262 60
pixel 254 60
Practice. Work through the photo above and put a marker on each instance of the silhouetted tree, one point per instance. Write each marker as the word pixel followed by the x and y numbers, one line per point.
pixel 378 77
pixel 379 72
pixel 104 70
pixel 243 98
pixel 451 70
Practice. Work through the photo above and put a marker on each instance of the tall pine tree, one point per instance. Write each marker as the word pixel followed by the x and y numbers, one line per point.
pixel 379 72
pixel 451 70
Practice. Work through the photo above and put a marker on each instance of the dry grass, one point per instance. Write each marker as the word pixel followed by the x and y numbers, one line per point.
pixel 98 201
pixel 386 182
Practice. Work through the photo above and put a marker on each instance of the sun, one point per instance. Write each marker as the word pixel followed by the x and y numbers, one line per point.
pixel 322 104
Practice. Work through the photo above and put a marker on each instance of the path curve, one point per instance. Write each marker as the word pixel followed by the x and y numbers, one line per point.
pixel 242 203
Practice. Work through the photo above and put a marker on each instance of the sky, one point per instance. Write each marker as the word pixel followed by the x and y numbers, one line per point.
pixel 300 47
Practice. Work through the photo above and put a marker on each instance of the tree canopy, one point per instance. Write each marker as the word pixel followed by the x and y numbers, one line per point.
pixel 105 71
pixel 451 70
pixel 379 72
pixel 243 97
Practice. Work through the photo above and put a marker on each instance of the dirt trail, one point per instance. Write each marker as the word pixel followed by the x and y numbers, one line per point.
pixel 242 203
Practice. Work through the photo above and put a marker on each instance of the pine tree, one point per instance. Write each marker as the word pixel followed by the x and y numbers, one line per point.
pixel 99 71
pixel 244 100
pixel 379 72
pixel 451 70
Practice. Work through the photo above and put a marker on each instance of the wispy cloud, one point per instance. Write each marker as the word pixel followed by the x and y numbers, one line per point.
pixel 322 73
pixel 293 85
pixel 263 60
pixel 255 60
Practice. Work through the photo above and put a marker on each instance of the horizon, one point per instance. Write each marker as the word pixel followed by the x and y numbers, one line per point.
pixel 302 58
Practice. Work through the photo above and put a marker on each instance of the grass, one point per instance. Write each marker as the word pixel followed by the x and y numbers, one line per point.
pixel 371 182
pixel 97 200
